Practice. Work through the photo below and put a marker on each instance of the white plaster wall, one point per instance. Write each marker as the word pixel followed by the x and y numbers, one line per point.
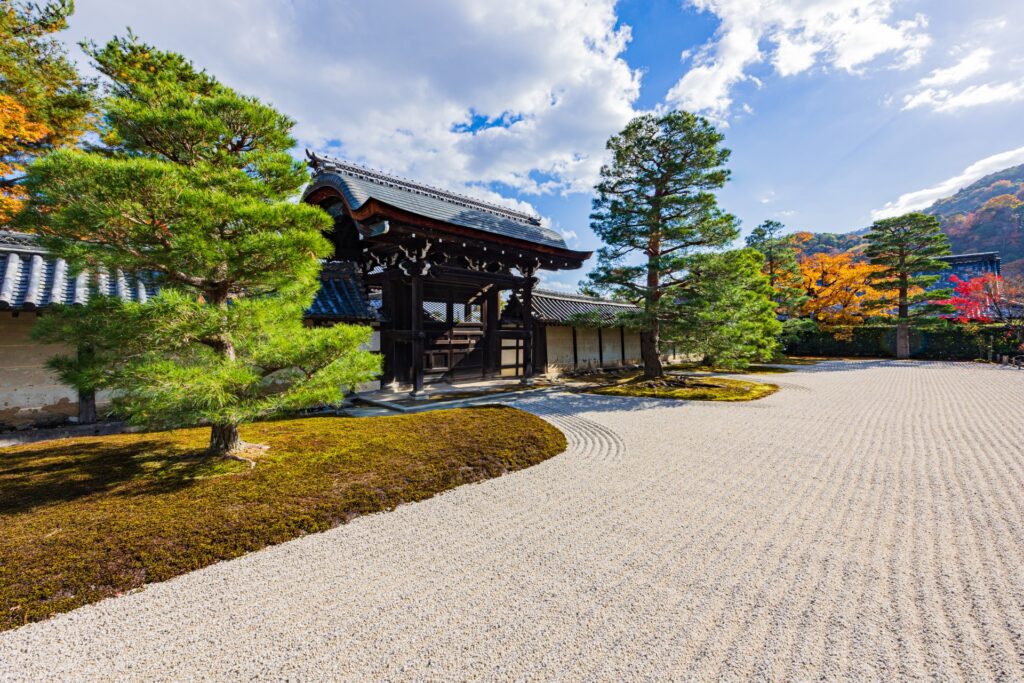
pixel 612 342
pixel 632 347
pixel 374 346
pixel 559 340
pixel 29 392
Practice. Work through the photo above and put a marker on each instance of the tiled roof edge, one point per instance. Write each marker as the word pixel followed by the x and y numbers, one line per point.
pixel 324 163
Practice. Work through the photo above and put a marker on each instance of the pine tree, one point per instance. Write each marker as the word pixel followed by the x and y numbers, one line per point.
pixel 723 310
pixel 193 186
pixel 780 265
pixel 44 103
pixel 906 248
pixel 655 208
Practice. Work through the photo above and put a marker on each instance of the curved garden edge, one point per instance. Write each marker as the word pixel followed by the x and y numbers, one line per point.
pixel 690 388
pixel 90 518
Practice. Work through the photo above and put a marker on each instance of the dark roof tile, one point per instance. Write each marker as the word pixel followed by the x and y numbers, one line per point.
pixel 358 185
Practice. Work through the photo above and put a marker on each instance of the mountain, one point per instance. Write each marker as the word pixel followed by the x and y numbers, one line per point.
pixel 987 215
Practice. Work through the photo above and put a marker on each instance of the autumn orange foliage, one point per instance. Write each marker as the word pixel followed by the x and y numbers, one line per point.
pixel 839 291
pixel 16 131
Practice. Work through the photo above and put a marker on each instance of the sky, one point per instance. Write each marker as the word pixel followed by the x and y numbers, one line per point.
pixel 837 112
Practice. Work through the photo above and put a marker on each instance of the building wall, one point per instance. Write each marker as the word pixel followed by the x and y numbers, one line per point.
pixel 375 347
pixel 559 338
pixel 29 393
pixel 559 341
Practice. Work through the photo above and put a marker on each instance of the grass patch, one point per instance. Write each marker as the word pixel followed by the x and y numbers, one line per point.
pixel 690 389
pixel 749 370
pixel 84 519
pixel 801 360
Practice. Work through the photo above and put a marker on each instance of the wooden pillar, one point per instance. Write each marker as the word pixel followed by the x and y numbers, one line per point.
pixel 387 339
pixel 416 326
pixel 492 340
pixel 622 343
pixel 575 351
pixel 528 329
pixel 540 355
pixel 600 348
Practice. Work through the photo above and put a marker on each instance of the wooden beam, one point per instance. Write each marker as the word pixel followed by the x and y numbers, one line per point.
pixel 600 348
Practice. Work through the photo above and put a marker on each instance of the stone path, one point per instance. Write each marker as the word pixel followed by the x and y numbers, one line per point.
pixel 866 522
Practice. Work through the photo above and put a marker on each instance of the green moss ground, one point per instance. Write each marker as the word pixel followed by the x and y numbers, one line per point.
pixel 84 519
pixel 703 388
pixel 749 370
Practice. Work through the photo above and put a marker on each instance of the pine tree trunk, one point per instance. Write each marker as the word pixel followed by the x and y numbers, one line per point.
pixel 903 326
pixel 224 439
pixel 903 340
pixel 649 352
pixel 86 407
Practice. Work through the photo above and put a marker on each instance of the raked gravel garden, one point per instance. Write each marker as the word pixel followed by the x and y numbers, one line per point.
pixel 863 522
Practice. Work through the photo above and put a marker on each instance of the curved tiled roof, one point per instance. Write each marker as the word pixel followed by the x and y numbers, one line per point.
pixel 341 295
pixel 556 307
pixel 358 185
pixel 30 278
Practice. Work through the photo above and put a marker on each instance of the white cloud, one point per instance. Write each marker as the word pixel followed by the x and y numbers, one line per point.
pixel 383 83
pixel 922 199
pixel 972 96
pixel 569 235
pixel 795 35
pixel 976 62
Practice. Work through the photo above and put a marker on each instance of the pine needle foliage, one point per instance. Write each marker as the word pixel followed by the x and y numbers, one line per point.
pixel 192 187
pixel 655 208
pixel 907 249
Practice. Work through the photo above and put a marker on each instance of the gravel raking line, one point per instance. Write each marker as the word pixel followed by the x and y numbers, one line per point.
pixel 865 523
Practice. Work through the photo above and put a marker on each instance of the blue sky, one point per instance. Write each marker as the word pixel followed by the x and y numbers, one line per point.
pixel 836 111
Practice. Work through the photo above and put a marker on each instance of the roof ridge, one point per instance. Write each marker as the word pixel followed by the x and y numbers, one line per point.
pixel 318 162
pixel 23 242
pixel 579 297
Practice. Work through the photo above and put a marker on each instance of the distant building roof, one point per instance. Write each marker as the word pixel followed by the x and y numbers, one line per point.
pixel 342 296
pixel 976 257
pixel 358 185
pixel 557 307
pixel 33 279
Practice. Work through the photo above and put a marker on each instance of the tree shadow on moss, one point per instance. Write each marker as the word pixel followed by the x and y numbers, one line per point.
pixel 63 471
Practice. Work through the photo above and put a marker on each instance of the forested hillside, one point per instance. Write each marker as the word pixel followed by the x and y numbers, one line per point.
pixel 987 215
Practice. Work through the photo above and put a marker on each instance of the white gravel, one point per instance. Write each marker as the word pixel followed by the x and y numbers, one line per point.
pixel 866 522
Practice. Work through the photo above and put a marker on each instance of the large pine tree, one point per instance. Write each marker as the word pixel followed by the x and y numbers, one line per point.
pixel 655 208
pixel 193 186
pixel 906 248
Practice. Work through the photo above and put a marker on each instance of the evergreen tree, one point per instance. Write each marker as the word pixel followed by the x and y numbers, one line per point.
pixel 723 310
pixel 780 265
pixel 43 101
pixel 192 186
pixel 655 208
pixel 906 248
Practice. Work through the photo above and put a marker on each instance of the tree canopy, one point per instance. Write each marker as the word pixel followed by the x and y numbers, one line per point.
pixel 192 187
pixel 724 311
pixel 655 209
pixel 44 103
pixel 906 249
pixel 780 265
